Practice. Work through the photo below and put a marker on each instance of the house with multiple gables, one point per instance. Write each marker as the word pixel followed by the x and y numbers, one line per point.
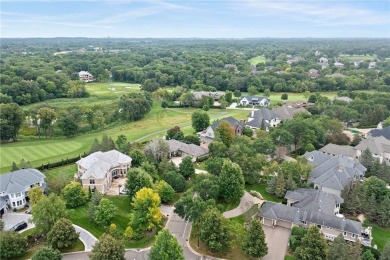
pixel 15 185
pixel 308 207
pixel 178 149
pixel 298 103
pixel 286 113
pixel 332 174
pixel 215 95
pixel 97 170
pixel 262 118
pixel 385 132
pixel 85 76
pixel 208 135
pixel 335 149
pixel 254 101
pixel 378 146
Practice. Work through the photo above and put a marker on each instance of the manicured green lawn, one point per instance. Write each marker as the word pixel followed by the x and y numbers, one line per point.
pixel 226 206
pixel 380 235
pixel 256 60
pixel 68 170
pixel 276 96
pixel 289 257
pixel 357 57
pixel 262 189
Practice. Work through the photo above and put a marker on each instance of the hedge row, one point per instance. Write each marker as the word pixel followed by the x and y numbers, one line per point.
pixel 61 163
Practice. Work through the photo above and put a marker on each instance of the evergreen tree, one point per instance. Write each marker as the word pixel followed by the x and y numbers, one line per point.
pixel 254 242
pixel 14 167
pixel 95 146
pixel 383 212
pixel 338 249
pixel 355 250
pixel 271 185
pixel 280 187
pixel 313 246
pixel 386 252
pixel 231 182
pixel 137 157
pixel 62 234
pixel 186 168
pixel 367 159
pixel 290 183
pixel 367 255
pixel 107 143
pixel 47 253
pixel 166 247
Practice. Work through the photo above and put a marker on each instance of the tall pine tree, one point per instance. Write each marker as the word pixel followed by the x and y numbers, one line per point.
pixel 254 244
pixel 313 246
pixel 166 247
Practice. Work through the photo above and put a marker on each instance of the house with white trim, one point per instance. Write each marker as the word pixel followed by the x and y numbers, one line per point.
pixel 86 76
pixel 254 101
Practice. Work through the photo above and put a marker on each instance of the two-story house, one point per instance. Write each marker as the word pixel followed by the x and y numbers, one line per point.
pixel 254 101
pixel 379 147
pixel 15 185
pixel 208 135
pixel 85 76
pixel 262 119
pixel 98 169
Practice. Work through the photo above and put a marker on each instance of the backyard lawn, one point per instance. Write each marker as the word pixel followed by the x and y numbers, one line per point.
pixel 380 235
pixel 68 171
pixel 262 189
pixel 256 60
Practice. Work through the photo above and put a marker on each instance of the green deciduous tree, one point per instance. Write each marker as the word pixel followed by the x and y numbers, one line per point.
pixel 386 252
pixel 231 182
pixel 252 90
pixel 284 96
pixel 200 120
pixel 62 234
pixel 47 116
pixel 214 231
pixel 74 195
pixel 186 168
pixel 214 165
pixel 175 133
pixel 11 118
pixel 313 246
pixel 35 194
pixel 47 211
pixel 107 248
pixel 165 191
pixel 94 202
pixel 104 212
pixel 12 244
pixel 122 144
pixel 47 253
pixel 225 133
pixel 137 157
pixel 367 255
pixel 367 159
pixel 156 150
pixel 338 249
pixel 166 247
pixel 146 213
pixel 254 243
pixel 137 179
pixel 191 207
pixel 176 180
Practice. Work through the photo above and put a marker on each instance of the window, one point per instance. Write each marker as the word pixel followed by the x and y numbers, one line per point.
pixel 12 195
pixel 13 204
pixel 353 235
pixel 303 222
pixel 337 205
pixel 91 181
pixel 345 234
pixel 319 226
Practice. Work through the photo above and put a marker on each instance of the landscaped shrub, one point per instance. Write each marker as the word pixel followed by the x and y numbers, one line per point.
pixel 176 180
pixel 256 194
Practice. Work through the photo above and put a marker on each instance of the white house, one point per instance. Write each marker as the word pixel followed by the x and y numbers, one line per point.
pixel 263 119
pixel 85 76
pixel 254 101
pixel 338 65
pixel 15 185
pixel 98 169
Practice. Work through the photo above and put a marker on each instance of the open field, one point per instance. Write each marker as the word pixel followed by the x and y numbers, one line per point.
pixel 357 57
pixel 256 60
pixel 380 235
pixel 154 124
pixel 275 97
pixel 99 94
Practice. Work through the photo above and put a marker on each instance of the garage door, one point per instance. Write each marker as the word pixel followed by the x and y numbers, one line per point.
pixel 268 222
pixel 282 223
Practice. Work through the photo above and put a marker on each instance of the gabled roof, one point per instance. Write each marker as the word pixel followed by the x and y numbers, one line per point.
pixel 385 132
pixel 198 94
pixel 99 163
pixel 345 99
pixel 285 112
pixel 260 115
pixel 231 120
pixel 254 98
pixel 336 149
pixel 376 145
pixel 277 211
pixel 17 181
pixel 192 149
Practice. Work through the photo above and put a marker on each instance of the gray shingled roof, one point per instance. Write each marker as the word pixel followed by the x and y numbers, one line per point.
pixel 336 149
pixel 192 149
pixel 216 95
pixel 277 211
pixel 335 172
pixel 254 98
pixel 385 132
pixel 17 181
pixel 376 145
pixel 260 115
pixel 98 164
pixel 231 120
pixel 285 113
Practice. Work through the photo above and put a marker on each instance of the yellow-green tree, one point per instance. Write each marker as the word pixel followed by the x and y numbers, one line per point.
pixel 146 212
pixel 226 133
pixel 35 194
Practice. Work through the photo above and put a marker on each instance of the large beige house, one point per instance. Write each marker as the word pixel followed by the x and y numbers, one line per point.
pixel 97 170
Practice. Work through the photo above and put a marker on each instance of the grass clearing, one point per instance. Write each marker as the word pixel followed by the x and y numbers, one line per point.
pixel 380 235
pixel 261 188
pixel 256 60
pixel 68 171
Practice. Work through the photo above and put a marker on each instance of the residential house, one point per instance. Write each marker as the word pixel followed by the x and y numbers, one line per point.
pixel 208 135
pixel 323 62
pixel 378 146
pixel 263 119
pixel 332 174
pixel 385 132
pixel 313 73
pixel 295 59
pixel 335 149
pixel 338 65
pixel 344 99
pixel 286 113
pixel 178 149
pixel 357 63
pixel 372 65
pixel 306 208
pixel 298 103
pixel 85 76
pixel 254 101
pixel 15 185
pixel 98 169
pixel 215 95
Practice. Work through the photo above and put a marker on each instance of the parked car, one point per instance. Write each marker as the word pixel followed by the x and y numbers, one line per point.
pixel 20 226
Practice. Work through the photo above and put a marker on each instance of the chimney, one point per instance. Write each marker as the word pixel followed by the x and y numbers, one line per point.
pixel 341 168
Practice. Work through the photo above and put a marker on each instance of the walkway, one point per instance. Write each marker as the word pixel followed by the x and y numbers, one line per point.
pixel 246 202
pixel 87 238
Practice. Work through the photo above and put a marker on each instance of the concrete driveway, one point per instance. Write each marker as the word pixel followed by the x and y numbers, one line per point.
pixel 11 219
pixel 176 160
pixel 277 241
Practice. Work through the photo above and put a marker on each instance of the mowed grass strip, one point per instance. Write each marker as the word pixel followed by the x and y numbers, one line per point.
pixel 256 60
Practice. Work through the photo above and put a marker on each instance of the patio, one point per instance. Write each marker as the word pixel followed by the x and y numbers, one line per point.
pixel 115 186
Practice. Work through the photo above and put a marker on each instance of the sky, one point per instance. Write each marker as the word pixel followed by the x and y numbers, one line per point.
pixel 195 18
